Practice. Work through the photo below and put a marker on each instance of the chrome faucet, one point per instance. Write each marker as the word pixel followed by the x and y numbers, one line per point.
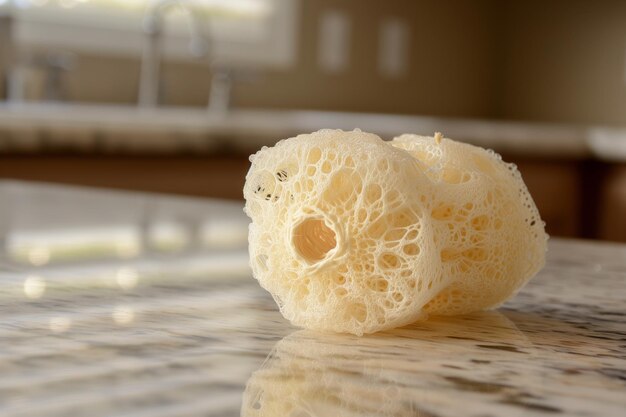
pixel 150 79
pixel 18 62
pixel 219 94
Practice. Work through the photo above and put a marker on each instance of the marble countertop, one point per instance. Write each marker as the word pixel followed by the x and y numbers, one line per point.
pixel 31 127
pixel 129 304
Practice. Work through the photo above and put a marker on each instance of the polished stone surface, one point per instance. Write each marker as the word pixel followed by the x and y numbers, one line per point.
pixel 127 304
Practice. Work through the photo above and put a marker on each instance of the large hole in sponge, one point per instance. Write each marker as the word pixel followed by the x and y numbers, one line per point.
pixel 313 239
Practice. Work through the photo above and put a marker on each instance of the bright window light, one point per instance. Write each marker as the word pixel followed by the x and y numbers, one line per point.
pixel 249 8
pixel 251 33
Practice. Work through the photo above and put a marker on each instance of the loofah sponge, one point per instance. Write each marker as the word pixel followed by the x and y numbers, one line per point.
pixel 352 234
pixel 492 240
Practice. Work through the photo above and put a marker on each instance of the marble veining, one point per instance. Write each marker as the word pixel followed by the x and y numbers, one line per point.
pixel 190 333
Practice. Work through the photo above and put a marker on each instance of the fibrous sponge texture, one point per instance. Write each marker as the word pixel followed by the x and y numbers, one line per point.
pixel 492 240
pixel 353 234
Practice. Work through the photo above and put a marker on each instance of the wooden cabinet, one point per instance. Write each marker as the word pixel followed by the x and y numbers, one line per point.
pixel 207 176
pixel 612 201
pixel 575 198
pixel 557 188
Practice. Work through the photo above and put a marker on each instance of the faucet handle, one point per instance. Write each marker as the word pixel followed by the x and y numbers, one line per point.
pixel 55 64
pixel 62 61
pixel 237 73
pixel 222 78
pixel 219 94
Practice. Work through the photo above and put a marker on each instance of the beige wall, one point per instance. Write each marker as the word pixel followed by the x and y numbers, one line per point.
pixel 451 66
pixel 564 60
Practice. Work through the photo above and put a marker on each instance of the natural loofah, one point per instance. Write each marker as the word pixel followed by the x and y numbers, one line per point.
pixel 492 240
pixel 351 234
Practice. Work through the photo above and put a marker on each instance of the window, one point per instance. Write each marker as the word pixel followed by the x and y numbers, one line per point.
pixel 260 33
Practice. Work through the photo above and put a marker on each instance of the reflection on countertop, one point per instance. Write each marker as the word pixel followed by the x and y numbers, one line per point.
pixel 44 224
pixel 187 331
pixel 479 364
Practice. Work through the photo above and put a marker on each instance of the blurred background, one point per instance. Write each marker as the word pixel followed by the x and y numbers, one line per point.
pixel 172 96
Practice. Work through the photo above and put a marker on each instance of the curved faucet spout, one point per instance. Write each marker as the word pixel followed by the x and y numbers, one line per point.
pixel 150 78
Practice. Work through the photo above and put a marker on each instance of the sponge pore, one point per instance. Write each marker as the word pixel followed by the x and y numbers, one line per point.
pixel 491 239
pixel 340 235
pixel 353 234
